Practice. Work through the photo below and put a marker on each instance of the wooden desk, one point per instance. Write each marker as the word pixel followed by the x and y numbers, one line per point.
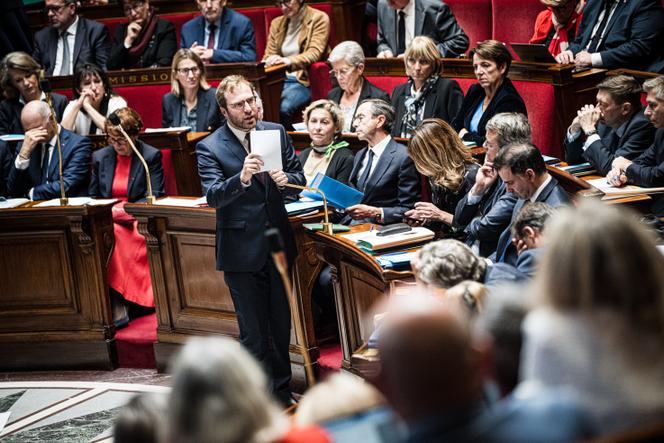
pixel 55 310
pixel 191 297
pixel 359 282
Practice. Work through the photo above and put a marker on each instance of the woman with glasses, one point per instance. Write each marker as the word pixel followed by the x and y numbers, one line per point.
pixel 426 94
pixel 118 173
pixel 347 60
pixel 93 101
pixel 296 39
pixel 146 41
pixel 191 101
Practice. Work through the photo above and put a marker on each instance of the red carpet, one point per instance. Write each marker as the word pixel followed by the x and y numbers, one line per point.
pixel 329 361
pixel 134 343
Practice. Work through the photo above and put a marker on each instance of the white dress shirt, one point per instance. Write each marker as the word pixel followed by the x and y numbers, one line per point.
pixel 533 198
pixel 71 38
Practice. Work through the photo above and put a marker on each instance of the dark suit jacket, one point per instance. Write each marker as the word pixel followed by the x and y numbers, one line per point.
pixel 486 220
pixel 340 166
pixel 91 45
pixel 633 37
pixel 159 51
pixel 6 159
pixel 235 43
pixel 10 113
pixel 524 269
pixel 433 18
pixel 633 140
pixel 243 214
pixel 76 152
pixel 208 116
pixel 507 99
pixel 647 170
pixel 103 172
pixel 444 101
pixel 553 194
pixel 394 184
pixel 368 91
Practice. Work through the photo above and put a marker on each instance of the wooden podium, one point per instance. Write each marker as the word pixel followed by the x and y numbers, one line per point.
pixel 54 306
pixel 191 297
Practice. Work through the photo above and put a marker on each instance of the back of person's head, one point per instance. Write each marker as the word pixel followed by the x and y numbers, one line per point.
pixel 439 153
pixel 445 263
pixel 623 89
pixel 494 51
pixel 424 48
pixel 142 420
pixel 341 395
pixel 219 395
pixel 600 258
pixel 519 157
pixel 497 331
pixel 656 86
pixel 381 107
pixel 129 119
pixel 533 215
pixel 427 364
pixel 510 127
pixel 19 61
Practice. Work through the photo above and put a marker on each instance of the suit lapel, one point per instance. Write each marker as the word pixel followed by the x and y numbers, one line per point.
pixel 53 50
pixel 381 167
pixel 356 166
pixel 78 41
pixel 225 29
pixel 201 32
pixel 135 171
pixel 419 18
pixel 614 18
pixel 202 110
pixel 592 21
pixel 544 195
pixel 107 173
pixel 53 168
pixel 233 143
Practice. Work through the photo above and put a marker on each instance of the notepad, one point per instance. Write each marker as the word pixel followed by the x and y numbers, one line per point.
pixel 371 242
pixel 337 194
pixel 302 207
pixel 612 191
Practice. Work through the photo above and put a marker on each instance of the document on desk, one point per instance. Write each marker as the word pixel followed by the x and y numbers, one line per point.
pixel 76 201
pixel 4 418
pixel 611 191
pixel 337 194
pixel 184 202
pixel 370 241
pixel 12 202
pixel 267 144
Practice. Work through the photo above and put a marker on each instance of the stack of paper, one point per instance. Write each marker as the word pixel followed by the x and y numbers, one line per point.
pixel 184 202
pixel 371 242
pixel 12 202
pixel 303 207
pixel 395 260
pixel 76 201
pixel 623 191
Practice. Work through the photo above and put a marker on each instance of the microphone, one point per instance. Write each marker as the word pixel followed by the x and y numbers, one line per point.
pixel 281 262
pixel 115 121
pixel 45 86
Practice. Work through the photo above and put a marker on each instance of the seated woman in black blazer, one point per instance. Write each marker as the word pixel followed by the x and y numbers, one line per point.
pixel 191 101
pixel 440 155
pixel 347 60
pixel 327 153
pixel 492 94
pixel 426 94
pixel 146 41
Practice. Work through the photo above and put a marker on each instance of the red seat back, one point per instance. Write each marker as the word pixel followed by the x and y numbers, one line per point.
pixel 146 100
pixel 541 105
pixel 474 17
pixel 514 20
pixel 257 17
pixel 387 83
pixel 170 184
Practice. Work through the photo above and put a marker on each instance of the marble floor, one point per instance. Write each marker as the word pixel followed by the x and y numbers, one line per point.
pixel 69 406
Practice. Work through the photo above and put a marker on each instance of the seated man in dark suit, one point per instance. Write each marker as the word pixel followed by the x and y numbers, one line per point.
pixel 523 170
pixel 486 211
pixel 618 34
pixel 399 21
pixel 616 127
pixel 220 35
pixel 71 41
pixel 6 159
pixel 646 170
pixel 382 171
pixel 35 172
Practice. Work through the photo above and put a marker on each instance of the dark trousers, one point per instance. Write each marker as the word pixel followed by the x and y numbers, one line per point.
pixel 263 314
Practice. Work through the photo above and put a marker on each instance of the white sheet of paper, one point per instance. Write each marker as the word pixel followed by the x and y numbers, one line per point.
pixel 267 144
pixel 4 417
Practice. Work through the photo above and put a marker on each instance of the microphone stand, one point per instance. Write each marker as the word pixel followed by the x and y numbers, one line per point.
pixel 281 263
pixel 327 226
pixel 45 86
pixel 115 121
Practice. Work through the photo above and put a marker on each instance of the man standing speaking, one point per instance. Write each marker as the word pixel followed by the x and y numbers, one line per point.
pixel 248 202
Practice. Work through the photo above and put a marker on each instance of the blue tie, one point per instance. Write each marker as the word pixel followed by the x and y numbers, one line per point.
pixel 362 181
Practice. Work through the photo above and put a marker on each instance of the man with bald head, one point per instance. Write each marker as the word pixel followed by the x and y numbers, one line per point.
pixel 35 173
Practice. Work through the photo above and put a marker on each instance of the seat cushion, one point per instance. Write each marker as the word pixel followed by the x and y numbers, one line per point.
pixel 514 20
pixel 541 105
pixel 257 17
pixel 474 17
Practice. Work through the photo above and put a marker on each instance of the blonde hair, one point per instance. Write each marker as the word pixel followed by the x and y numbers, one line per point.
pixel 187 54
pixel 439 153
pixel 329 106
pixel 424 48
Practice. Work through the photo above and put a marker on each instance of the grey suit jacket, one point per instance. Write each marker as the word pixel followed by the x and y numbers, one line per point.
pixel 433 18
pixel 92 45
pixel 208 116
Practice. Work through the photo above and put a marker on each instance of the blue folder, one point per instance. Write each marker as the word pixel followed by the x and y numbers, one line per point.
pixel 337 194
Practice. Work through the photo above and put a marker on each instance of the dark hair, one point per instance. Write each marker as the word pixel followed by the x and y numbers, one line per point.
pixel 534 215
pixel 520 157
pixel 129 119
pixel 495 51
pixel 90 69
pixel 16 60
pixel 623 89
pixel 381 107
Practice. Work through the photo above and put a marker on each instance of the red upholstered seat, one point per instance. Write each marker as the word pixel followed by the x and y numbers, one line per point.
pixel 170 184
pixel 257 17
pixel 474 16
pixel 387 83
pixel 112 23
pixel 146 100
pixel 541 104
pixel 319 77
pixel 514 20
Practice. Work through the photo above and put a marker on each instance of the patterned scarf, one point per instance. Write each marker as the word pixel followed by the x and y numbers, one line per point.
pixel 329 149
pixel 560 40
pixel 414 104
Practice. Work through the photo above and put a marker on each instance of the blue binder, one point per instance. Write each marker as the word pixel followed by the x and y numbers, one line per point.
pixel 338 195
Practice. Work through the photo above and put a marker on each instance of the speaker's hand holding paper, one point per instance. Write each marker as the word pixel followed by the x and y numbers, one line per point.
pixel 267 144
pixel 252 165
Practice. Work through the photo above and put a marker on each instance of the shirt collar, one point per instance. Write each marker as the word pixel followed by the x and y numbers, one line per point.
pixel 409 9
pixel 217 22
pixel 537 193
pixel 623 127
pixel 42 97
pixel 72 28
pixel 380 146
pixel 239 133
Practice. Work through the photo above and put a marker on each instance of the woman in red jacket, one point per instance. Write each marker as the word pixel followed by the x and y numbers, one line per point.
pixel 557 25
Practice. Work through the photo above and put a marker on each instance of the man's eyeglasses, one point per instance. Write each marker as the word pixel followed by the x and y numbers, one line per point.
pixel 251 101
pixel 133 6
pixel 54 8
pixel 280 3
pixel 185 71
pixel 120 141
pixel 342 72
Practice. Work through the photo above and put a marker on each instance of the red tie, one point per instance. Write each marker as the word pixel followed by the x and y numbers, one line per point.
pixel 210 44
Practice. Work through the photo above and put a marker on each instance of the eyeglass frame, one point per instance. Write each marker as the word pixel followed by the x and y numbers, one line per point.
pixel 195 70
pixel 133 6
pixel 281 3
pixel 55 9
pixel 342 73
pixel 238 106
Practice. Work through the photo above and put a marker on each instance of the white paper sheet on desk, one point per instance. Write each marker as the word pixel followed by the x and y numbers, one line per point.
pixel 12 203
pixel 76 201
pixel 4 418
pixel 165 130
pixel 267 144
pixel 184 202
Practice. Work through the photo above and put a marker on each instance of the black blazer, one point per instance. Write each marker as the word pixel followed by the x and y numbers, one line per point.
pixel 368 91
pixel 10 113
pixel 636 138
pixel 444 101
pixel 648 170
pixel 208 116
pixel 91 45
pixel 507 99
pixel 6 159
pixel 394 184
pixel 633 38
pixel 159 51
pixel 103 172
pixel 340 166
